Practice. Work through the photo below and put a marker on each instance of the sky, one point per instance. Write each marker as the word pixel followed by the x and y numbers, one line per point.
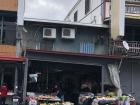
pixel 48 9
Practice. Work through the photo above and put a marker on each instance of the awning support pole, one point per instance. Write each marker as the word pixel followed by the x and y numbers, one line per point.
pixel 25 80
pixel 16 79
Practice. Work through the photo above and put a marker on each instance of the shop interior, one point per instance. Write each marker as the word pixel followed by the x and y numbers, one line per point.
pixel 7 75
pixel 43 76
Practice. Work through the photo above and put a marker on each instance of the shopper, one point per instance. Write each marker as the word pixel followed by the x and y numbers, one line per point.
pixel 3 94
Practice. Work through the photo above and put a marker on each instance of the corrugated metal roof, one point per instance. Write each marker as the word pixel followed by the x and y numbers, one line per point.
pixel 66 23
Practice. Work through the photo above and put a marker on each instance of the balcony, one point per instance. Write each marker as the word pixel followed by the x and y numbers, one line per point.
pixel 117 48
pixel 132 9
pixel 7 50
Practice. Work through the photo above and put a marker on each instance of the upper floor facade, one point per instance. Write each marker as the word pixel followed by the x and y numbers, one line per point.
pixel 99 11
pixel 8 20
pixel 65 37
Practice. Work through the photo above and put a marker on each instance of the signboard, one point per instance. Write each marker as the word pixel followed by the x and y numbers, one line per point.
pixel 8 50
pixel 117 18
pixel 8 5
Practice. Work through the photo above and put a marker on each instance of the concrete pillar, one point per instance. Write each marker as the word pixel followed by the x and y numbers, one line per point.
pixel 16 79
pixel 1 34
pixel 102 80
pixel 25 80
pixel 18 41
pixel 2 76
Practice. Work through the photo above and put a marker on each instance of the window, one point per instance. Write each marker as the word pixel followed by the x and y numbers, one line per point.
pixel 87 47
pixel 87 6
pixel 75 16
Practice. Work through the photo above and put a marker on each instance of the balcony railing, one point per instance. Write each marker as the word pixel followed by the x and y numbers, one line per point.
pixel 132 8
pixel 117 48
pixel 132 0
pixel 8 50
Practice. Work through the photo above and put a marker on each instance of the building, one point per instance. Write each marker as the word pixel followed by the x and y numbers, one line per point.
pixel 99 13
pixel 10 63
pixel 84 11
pixel 65 52
pixel 57 51
pixel 51 55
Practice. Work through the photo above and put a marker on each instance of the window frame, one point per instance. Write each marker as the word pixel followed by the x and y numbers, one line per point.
pixel 75 16
pixel 87 6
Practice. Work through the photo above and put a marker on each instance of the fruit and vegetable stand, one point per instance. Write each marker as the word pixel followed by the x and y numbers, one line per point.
pixel 88 99
pixel 121 100
pixel 47 100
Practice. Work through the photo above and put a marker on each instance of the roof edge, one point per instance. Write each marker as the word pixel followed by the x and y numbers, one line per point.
pixel 65 22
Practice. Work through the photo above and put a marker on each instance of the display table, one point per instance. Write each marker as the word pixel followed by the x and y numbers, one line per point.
pixel 47 99
pixel 113 101
pixel 105 100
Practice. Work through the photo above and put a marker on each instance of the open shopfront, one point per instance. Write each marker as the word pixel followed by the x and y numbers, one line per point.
pixel 11 75
pixel 79 84
pixel 71 73
pixel 71 78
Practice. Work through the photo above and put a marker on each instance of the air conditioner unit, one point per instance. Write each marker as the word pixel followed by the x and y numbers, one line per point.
pixel 49 33
pixel 68 33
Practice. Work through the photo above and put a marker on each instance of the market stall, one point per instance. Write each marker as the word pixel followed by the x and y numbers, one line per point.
pixel 88 99
pixel 46 100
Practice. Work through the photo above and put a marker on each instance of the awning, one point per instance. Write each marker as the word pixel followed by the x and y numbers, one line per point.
pixel 12 59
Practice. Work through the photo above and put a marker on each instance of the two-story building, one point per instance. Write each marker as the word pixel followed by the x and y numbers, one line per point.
pixel 72 52
pixel 65 52
pixel 10 64
pixel 69 53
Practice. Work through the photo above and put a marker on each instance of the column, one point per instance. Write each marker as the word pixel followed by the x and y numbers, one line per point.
pixel 16 79
pixel 102 83
pixel 2 75
pixel 25 80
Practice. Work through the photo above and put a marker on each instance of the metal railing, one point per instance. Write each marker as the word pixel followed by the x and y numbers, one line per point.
pixel 133 0
pixel 132 9
pixel 117 48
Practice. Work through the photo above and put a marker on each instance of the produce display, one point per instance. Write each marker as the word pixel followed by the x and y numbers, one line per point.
pixel 104 100
pixel 47 97
pixel 57 103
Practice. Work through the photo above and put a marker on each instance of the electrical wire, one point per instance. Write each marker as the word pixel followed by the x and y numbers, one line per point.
pixel 92 10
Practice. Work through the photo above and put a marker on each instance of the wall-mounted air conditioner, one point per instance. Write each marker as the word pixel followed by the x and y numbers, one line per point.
pixel 49 33
pixel 68 33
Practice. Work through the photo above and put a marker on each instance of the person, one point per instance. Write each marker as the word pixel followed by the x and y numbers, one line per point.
pixel 3 94
pixel 57 91
pixel 86 86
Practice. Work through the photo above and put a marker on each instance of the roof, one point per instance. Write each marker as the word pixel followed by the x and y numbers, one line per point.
pixel 65 22
pixel 12 59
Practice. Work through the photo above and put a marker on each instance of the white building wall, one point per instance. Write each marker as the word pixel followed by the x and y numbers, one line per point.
pixel 95 17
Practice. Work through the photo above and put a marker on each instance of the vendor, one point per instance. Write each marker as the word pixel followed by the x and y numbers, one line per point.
pixel 57 91
pixel 86 86
pixel 3 94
